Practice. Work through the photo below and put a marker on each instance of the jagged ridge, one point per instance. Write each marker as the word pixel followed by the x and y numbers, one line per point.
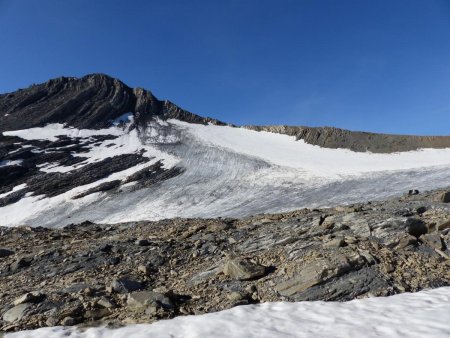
pixel 91 102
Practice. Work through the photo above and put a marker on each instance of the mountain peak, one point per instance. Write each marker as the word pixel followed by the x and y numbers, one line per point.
pixel 91 101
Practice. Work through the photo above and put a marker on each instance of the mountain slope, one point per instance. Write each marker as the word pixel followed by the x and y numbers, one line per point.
pixel 94 149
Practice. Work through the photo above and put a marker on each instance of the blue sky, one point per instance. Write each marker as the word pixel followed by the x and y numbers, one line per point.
pixel 368 65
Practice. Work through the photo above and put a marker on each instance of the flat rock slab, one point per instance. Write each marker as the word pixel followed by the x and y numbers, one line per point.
pixel 318 272
pixel 16 313
pixel 243 269
pixel 123 285
pixel 143 299
pixel 30 297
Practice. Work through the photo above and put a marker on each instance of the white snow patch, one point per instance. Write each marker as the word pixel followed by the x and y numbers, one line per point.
pixel 286 151
pixel 16 188
pixel 9 163
pixel 51 131
pixel 125 118
pixel 423 314
pixel 55 167
pixel 127 143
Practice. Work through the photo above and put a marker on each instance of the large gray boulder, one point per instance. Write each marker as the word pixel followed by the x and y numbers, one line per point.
pixel 125 284
pixel 16 313
pixel 143 299
pixel 318 272
pixel 242 269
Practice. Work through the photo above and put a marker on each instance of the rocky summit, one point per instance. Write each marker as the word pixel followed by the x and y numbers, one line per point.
pixel 92 101
pixel 114 274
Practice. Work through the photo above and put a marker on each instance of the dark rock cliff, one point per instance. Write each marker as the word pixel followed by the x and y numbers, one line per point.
pixel 92 101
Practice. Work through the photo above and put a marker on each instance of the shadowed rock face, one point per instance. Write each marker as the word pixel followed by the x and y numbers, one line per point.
pixel 92 101
pixel 329 137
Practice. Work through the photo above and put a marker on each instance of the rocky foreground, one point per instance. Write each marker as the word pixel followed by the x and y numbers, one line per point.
pixel 97 274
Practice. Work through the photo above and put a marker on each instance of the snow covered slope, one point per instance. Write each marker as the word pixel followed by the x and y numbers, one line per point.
pixel 165 169
pixel 422 314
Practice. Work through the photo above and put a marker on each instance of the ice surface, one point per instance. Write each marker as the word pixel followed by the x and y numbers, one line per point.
pixel 284 150
pixel 229 172
pixel 422 314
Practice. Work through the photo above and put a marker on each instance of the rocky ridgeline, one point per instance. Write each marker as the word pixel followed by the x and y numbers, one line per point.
pixel 330 137
pixel 92 274
pixel 95 100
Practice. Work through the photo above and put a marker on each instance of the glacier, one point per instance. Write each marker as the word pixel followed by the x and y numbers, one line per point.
pixel 227 172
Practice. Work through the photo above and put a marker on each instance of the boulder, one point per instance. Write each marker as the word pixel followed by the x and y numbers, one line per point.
pixel 318 272
pixel 444 226
pixel 69 321
pixel 145 269
pixel 16 313
pixel 142 242
pixel 106 303
pixel 20 263
pixel 416 227
pixel 406 241
pixel 156 261
pixel 143 299
pixel 125 285
pixel 242 269
pixel 445 197
pixel 105 247
pixel 334 243
pixel 421 210
pixel 4 252
pixel 30 297
pixel 96 314
pixel 433 240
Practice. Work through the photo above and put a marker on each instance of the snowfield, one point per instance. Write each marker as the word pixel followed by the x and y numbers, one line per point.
pixel 228 172
pixel 422 314
pixel 284 150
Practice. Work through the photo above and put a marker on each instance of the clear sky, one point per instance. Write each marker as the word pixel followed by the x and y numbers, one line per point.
pixel 368 65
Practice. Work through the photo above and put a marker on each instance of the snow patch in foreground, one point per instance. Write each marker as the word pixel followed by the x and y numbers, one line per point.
pixel 422 314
